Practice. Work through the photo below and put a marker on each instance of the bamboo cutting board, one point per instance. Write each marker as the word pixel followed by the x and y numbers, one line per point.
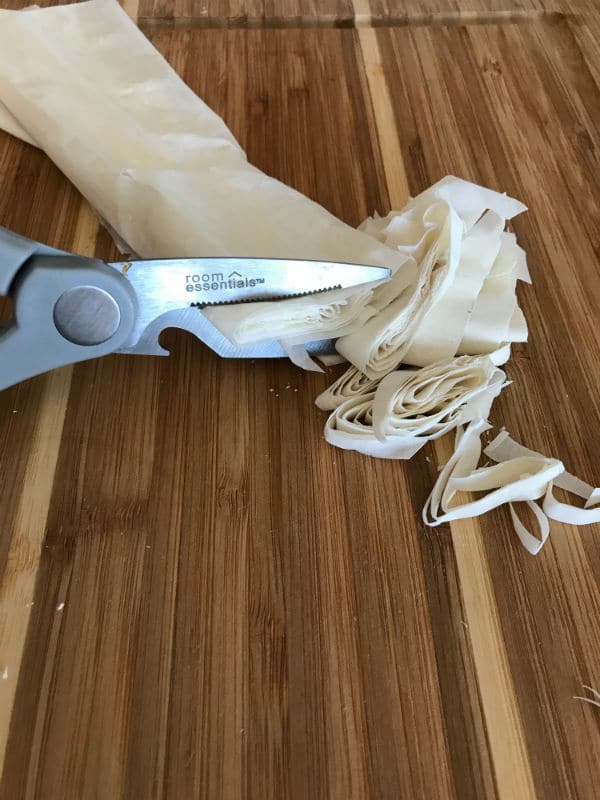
pixel 199 598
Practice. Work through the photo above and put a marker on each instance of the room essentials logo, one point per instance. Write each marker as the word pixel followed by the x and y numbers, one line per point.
pixel 217 282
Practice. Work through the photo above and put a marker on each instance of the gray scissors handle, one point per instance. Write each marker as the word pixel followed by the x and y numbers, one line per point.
pixel 66 308
pixel 15 250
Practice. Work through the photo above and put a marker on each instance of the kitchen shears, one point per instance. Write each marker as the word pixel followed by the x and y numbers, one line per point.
pixel 69 308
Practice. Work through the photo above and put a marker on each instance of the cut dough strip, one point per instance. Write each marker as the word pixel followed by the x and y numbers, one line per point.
pixel 410 407
pixel 519 475
pixel 351 384
pixel 454 234
pixel 503 448
pixel 330 315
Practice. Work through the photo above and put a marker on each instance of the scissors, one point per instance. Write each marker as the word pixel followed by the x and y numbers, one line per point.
pixel 69 308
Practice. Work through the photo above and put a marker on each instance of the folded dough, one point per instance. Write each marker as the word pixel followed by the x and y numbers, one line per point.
pixel 454 235
pixel 153 159
pixel 408 408
pixel 9 124
pixel 519 475
pixel 351 383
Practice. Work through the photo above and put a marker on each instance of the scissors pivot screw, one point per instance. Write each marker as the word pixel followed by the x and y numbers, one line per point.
pixel 87 315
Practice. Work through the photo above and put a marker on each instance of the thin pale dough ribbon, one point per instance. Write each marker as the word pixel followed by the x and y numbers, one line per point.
pixel 520 474
pixel 454 233
pixel 408 408
pixel 351 383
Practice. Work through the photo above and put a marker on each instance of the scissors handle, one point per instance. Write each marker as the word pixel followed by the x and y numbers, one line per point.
pixel 15 250
pixel 67 309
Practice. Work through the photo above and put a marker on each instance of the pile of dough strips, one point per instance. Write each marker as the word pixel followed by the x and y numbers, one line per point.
pixel 169 179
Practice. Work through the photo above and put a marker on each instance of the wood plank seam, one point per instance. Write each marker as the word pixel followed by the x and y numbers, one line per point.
pixel 359 19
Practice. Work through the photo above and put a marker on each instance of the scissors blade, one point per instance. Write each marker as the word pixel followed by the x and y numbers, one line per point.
pixel 170 293
pixel 189 319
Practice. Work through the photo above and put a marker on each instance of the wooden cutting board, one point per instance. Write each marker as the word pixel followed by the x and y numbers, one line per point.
pixel 200 598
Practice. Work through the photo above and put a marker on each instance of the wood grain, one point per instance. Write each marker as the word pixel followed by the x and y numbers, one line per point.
pixel 491 76
pixel 189 14
pixel 249 613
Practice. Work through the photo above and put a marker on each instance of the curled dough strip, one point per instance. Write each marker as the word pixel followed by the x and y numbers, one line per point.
pixel 495 316
pixel 379 347
pixel 453 233
pixel 411 407
pixel 519 475
pixel 298 355
pixel 468 199
pixel 441 331
pixel 503 448
pixel 351 384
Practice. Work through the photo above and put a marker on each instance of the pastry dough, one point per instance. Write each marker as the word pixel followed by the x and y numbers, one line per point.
pixel 454 233
pixel 408 408
pixel 154 160
pixel 519 475
pixel 351 384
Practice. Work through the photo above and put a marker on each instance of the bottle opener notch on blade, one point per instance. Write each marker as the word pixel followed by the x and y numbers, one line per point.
pixel 69 308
